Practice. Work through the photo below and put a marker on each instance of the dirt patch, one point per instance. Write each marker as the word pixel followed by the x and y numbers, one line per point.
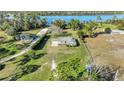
pixel 107 49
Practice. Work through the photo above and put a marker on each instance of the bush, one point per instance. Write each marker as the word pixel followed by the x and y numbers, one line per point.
pixel 12 52
pixel 108 30
pixel 3 50
pixel 29 69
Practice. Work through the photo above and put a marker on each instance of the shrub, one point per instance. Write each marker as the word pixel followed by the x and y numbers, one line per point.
pixel 108 30
pixel 12 52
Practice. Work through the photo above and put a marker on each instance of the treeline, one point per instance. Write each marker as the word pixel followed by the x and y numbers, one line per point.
pixel 45 13
pixel 13 24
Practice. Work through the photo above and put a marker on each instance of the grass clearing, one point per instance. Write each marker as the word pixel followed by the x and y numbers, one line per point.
pixel 35 31
pixel 3 34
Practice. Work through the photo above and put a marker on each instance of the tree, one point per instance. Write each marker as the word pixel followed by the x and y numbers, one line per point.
pixel 59 23
pixel 44 22
pixel 114 17
pixel 98 18
pixel 74 24
pixel 4 26
pixel 11 31
pixel 108 30
pixel 81 34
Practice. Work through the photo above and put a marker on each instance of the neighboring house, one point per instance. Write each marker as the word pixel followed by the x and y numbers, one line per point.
pixel 26 38
pixel 69 41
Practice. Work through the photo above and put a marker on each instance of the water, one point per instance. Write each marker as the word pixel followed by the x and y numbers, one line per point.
pixel 84 18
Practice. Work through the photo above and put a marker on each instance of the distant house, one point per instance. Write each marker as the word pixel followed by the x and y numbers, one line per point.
pixel 26 38
pixel 69 41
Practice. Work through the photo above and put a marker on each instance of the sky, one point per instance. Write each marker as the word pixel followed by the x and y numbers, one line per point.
pixel 61 5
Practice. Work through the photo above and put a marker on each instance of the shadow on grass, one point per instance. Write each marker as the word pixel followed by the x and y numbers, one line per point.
pixel 42 43
pixel 2 66
pixel 3 78
pixel 24 71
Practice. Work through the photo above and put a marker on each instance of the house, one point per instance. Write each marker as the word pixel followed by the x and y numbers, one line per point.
pixel 26 38
pixel 69 41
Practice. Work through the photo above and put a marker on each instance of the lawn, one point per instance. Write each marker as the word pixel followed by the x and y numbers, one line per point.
pixel 35 31
pixel 8 70
pixel 3 34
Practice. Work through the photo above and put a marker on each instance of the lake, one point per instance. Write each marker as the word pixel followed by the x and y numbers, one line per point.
pixel 83 18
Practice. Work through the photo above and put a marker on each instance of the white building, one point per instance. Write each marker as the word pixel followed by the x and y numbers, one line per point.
pixel 64 41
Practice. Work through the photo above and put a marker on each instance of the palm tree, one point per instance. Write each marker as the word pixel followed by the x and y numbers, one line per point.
pixel 98 18
pixel 4 26
pixel 11 31
pixel 114 17
pixel 74 24
pixel 44 22
pixel 59 23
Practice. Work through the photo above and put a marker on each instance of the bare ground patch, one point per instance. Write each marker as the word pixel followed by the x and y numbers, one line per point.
pixel 108 49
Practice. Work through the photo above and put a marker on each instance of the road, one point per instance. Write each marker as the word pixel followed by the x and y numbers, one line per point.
pixel 25 50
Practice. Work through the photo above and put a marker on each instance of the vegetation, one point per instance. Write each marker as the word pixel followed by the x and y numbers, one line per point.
pixel 69 70
pixel 24 70
pixel 59 23
pixel 44 13
pixel 73 70
pixel 108 30
pixel 75 24
pixel 21 22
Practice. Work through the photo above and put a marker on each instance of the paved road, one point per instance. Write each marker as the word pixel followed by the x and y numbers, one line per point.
pixel 22 52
